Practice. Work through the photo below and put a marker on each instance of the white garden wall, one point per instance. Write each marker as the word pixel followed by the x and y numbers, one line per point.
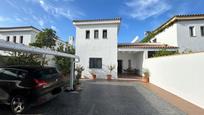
pixel 182 75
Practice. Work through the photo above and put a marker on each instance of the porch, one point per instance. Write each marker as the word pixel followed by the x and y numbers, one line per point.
pixel 130 64
pixel 132 56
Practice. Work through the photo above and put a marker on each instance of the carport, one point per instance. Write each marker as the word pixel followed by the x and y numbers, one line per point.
pixel 8 46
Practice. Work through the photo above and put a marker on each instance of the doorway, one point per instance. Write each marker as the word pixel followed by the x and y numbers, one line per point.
pixel 120 66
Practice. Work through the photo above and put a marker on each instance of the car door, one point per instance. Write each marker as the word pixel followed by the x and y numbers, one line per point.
pixel 5 83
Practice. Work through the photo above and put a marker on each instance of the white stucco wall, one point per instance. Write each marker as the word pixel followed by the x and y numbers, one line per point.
pixel 125 56
pixel 27 36
pixel 168 36
pixel 97 48
pixel 179 35
pixel 185 41
pixel 181 75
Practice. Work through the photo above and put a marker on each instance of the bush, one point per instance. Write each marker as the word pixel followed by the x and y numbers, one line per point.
pixel 164 53
pixel 64 63
pixel 23 59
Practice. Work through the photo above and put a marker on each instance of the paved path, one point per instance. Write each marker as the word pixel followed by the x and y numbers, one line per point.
pixel 106 98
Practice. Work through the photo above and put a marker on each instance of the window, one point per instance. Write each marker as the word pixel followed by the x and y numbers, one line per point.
pixel 21 39
pixel 7 38
pixel 95 63
pixel 202 30
pixel 104 33
pixel 192 31
pixel 155 40
pixel 12 74
pixel 87 34
pixel 129 64
pixel 14 39
pixel 95 33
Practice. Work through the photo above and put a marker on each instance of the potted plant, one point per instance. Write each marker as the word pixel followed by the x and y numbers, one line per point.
pixel 93 74
pixel 110 68
pixel 79 69
pixel 145 76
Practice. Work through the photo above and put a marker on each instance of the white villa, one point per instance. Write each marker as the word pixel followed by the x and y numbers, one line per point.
pixel 97 43
pixel 97 46
pixel 183 31
pixel 24 35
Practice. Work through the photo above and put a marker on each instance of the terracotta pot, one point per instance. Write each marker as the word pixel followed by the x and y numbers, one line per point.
pixel 145 79
pixel 109 77
pixel 94 77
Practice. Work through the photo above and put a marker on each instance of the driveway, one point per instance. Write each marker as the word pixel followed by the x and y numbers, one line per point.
pixel 106 98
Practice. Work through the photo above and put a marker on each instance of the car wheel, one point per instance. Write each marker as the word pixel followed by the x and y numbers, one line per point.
pixel 18 104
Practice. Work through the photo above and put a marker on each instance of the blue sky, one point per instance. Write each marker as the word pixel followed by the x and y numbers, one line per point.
pixel 137 16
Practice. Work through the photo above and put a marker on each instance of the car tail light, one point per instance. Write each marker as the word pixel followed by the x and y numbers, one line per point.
pixel 40 83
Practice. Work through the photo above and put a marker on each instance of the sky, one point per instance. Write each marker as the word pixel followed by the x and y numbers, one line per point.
pixel 137 16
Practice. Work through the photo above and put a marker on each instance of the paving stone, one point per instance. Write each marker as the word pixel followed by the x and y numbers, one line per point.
pixel 105 98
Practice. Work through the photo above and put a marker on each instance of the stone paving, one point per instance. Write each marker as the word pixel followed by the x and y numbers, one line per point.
pixel 105 98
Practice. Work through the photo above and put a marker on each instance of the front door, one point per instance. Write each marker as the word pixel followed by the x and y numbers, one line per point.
pixel 120 66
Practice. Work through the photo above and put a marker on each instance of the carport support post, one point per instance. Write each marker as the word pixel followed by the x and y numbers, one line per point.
pixel 72 74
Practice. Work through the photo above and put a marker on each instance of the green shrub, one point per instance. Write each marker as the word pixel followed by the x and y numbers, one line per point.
pixel 164 53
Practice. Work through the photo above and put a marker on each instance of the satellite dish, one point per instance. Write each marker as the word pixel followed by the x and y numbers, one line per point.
pixel 135 40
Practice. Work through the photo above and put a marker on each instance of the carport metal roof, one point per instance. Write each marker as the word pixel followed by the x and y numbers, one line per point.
pixel 9 46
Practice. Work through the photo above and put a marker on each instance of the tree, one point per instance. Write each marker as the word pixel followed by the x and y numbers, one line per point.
pixel 45 39
pixel 148 37
pixel 62 62
pixel 23 59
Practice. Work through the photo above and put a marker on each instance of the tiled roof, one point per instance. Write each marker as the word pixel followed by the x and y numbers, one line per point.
pixel 189 15
pixel 179 18
pixel 97 20
pixel 19 27
pixel 146 46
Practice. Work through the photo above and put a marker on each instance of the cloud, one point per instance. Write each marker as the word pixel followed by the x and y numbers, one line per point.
pixel 40 20
pixel 12 3
pixel 54 28
pixel 125 25
pixel 143 9
pixel 56 11
pixel 41 23
pixel 3 19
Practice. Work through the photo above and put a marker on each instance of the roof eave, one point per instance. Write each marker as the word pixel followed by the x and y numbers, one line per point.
pixel 179 18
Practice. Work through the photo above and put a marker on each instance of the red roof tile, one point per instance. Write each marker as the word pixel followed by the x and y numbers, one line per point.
pixel 97 20
pixel 146 46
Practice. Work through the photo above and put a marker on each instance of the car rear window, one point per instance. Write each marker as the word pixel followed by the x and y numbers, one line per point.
pixel 12 74
pixel 46 73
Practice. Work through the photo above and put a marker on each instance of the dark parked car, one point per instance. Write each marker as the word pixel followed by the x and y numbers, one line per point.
pixel 24 86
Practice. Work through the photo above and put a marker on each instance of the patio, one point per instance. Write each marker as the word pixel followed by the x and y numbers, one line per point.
pixel 106 98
